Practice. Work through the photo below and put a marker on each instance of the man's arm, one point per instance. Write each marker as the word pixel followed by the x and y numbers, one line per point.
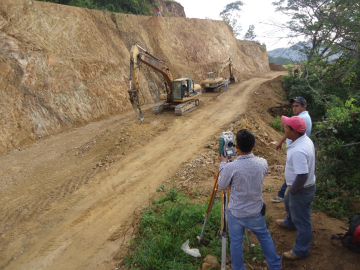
pixel 224 175
pixel 279 144
pixel 299 182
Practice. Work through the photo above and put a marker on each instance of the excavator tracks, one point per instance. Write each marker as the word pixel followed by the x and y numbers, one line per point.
pixel 181 109
pixel 186 107
pixel 158 108
pixel 219 89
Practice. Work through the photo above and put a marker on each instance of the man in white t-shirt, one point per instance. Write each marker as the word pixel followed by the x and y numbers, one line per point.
pixel 300 179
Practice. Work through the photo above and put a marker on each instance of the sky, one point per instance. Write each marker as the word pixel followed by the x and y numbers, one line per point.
pixel 260 13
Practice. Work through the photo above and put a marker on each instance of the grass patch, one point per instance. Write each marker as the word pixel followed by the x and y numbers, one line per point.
pixel 255 254
pixel 283 96
pixel 165 226
pixel 277 124
pixel 168 223
pixel 268 220
pixel 333 200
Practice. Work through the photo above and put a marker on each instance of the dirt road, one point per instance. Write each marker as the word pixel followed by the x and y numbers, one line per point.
pixel 65 201
pixel 68 202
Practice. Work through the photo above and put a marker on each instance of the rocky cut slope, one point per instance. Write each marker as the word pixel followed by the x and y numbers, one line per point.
pixel 63 66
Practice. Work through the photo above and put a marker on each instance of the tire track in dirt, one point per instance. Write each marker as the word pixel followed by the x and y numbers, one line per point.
pixel 76 228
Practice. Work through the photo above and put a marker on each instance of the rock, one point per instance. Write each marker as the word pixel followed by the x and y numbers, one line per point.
pixel 212 261
pixel 205 241
pixel 206 266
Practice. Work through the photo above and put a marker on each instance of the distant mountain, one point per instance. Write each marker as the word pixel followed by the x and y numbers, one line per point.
pixel 285 55
pixel 290 55
pixel 279 60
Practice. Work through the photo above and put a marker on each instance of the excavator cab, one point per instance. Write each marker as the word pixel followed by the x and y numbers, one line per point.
pixel 176 93
pixel 211 75
pixel 180 89
pixel 184 88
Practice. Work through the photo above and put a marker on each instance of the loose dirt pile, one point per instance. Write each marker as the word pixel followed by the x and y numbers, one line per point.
pixel 276 67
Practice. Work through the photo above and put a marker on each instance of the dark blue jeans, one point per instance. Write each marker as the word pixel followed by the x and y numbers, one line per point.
pixel 298 209
pixel 257 225
pixel 281 192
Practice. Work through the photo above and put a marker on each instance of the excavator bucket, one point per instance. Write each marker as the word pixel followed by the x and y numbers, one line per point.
pixel 134 99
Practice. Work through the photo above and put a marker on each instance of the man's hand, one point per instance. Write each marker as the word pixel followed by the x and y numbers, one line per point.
pixel 279 144
pixel 223 159
pixel 293 191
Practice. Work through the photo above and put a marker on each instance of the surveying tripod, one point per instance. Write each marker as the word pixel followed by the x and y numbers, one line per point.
pixel 224 220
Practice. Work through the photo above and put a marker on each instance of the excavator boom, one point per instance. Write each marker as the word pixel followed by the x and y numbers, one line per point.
pixel 139 55
pixel 226 63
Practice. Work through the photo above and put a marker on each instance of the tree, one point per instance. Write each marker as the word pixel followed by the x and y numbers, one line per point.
pixel 124 6
pixel 331 26
pixel 230 15
pixel 250 34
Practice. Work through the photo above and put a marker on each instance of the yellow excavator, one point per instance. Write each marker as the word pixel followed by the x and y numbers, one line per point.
pixel 214 82
pixel 181 94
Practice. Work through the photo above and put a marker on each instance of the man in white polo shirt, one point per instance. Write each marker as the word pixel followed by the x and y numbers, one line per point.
pixel 300 179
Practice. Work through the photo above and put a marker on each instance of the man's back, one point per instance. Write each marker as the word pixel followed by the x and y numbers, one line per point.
pixel 246 174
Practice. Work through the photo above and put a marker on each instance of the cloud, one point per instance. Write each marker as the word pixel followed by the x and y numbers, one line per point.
pixel 260 13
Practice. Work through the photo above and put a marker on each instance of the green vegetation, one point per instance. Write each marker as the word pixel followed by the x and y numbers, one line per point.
pixel 141 7
pixel 277 124
pixel 255 254
pixel 332 92
pixel 230 15
pixel 250 34
pixel 167 224
pixel 279 60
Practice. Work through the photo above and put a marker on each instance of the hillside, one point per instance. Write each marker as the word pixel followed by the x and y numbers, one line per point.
pixel 62 67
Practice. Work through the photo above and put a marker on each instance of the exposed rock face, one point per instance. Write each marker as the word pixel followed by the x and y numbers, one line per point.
pixel 63 66
pixel 171 8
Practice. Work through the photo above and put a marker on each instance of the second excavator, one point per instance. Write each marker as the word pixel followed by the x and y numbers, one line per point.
pixel 214 82
pixel 181 94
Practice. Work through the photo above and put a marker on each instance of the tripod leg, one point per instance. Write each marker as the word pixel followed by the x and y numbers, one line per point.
pixel 223 250
pixel 224 228
pixel 207 216
pixel 210 205
pixel 247 238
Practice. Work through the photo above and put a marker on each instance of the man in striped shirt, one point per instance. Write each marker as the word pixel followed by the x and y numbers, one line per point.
pixel 245 176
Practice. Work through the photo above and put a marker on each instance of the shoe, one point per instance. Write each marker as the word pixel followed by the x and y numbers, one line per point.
pixel 290 255
pixel 280 222
pixel 277 199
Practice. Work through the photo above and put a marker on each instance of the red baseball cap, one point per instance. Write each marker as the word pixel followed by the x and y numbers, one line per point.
pixel 296 122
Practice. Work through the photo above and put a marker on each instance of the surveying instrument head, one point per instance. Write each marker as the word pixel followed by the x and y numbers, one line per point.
pixel 227 144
